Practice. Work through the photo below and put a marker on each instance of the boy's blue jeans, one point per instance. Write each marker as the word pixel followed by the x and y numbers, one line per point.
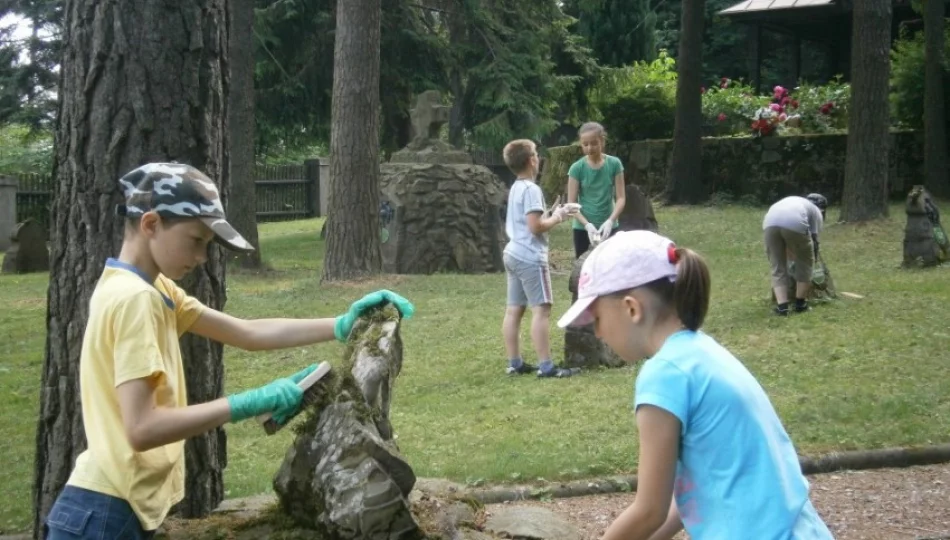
pixel 82 514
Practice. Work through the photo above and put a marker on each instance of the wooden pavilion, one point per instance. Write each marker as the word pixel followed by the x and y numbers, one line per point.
pixel 825 23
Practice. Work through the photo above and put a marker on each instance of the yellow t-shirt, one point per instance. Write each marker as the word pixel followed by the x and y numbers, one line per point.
pixel 132 332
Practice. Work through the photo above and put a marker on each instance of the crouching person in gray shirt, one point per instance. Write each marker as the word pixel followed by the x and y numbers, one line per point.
pixel 791 228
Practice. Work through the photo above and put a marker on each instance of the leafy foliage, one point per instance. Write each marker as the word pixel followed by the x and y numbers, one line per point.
pixel 28 65
pixel 637 101
pixel 619 31
pixel 907 79
pixel 25 150
pixel 729 106
pixel 515 68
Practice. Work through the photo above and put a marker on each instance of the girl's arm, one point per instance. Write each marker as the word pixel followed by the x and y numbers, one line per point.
pixel 149 426
pixel 262 334
pixel 673 525
pixel 659 450
pixel 620 197
pixel 573 187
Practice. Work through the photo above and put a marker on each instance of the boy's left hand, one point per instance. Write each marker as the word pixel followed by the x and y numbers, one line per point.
pixel 344 323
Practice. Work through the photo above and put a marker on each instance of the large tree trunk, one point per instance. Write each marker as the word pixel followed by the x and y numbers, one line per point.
pixel 125 102
pixel 242 210
pixel 935 119
pixel 353 247
pixel 685 182
pixel 865 179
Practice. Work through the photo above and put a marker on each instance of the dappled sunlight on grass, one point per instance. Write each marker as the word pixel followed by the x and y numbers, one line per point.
pixel 852 374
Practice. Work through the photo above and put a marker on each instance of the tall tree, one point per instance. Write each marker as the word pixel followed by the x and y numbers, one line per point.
pixel 27 64
pixel 685 182
pixel 620 32
pixel 353 245
pixel 935 115
pixel 242 210
pixel 864 196
pixel 140 81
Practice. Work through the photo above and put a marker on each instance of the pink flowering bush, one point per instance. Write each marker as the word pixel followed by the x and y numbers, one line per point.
pixel 728 106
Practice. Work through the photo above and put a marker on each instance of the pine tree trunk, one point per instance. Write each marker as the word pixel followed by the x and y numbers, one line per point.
pixel 685 182
pixel 124 102
pixel 866 167
pixel 242 210
pixel 353 246
pixel 935 119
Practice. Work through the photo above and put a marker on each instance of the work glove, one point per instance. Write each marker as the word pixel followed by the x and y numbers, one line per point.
pixel 281 398
pixel 592 233
pixel 605 229
pixel 560 213
pixel 344 323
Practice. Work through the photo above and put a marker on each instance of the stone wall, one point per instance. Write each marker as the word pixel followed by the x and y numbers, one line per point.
pixel 754 170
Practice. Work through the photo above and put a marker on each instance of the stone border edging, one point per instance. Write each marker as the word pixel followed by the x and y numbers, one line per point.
pixel 835 461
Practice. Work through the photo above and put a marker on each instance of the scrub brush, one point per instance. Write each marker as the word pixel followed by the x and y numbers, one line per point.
pixel 306 384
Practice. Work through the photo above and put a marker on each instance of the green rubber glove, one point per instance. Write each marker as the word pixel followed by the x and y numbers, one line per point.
pixel 344 323
pixel 281 397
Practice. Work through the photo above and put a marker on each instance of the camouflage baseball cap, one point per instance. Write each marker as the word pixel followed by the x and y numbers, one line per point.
pixel 176 190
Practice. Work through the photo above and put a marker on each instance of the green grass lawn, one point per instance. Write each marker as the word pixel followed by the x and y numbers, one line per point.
pixel 852 374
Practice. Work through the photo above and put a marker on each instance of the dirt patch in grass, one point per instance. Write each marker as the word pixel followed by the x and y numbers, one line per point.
pixel 884 504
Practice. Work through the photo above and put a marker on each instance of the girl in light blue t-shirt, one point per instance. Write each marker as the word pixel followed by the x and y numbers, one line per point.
pixel 709 436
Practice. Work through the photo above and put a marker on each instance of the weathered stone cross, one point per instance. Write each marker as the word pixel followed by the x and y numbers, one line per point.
pixel 428 115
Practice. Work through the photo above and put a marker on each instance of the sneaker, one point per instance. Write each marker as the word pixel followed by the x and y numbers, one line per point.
pixel 780 312
pixel 801 307
pixel 521 370
pixel 559 373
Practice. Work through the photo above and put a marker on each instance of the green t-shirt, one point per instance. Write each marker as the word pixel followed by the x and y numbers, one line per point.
pixel 596 191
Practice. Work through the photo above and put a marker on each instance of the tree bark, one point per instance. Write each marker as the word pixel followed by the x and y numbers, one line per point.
pixel 935 119
pixel 685 182
pixel 353 245
pixel 242 210
pixel 125 102
pixel 864 196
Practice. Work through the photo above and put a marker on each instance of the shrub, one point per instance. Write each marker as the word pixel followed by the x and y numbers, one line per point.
pixel 637 101
pixel 729 107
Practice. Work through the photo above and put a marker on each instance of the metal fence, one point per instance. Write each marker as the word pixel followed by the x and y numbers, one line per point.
pixel 34 197
pixel 283 192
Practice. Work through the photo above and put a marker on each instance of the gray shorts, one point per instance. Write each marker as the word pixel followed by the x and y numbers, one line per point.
pixel 779 243
pixel 529 284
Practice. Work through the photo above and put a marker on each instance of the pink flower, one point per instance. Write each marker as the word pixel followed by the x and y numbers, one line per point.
pixel 702 89
pixel 724 82
pixel 722 117
pixel 794 104
pixel 782 117
pixel 776 107
pixel 778 92
pixel 785 101
pixel 826 108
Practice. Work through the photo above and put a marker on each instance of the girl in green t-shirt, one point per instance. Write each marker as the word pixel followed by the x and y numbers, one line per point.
pixel 596 182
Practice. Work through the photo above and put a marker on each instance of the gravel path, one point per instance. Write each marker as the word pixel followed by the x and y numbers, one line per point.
pixel 884 504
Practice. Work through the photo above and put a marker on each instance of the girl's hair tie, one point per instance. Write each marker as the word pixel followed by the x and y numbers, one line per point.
pixel 671 254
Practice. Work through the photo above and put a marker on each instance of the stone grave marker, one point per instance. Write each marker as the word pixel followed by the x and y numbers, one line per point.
pixel 439 211
pixel 8 189
pixel 28 252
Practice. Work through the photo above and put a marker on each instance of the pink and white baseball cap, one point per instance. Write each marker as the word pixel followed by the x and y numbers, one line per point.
pixel 624 261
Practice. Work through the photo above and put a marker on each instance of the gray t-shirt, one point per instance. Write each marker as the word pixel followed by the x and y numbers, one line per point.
pixel 525 197
pixel 795 214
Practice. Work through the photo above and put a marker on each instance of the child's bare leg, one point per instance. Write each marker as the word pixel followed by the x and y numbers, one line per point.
pixel 511 330
pixel 541 331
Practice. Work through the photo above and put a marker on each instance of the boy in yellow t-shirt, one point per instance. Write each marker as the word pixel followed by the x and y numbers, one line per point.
pixel 134 404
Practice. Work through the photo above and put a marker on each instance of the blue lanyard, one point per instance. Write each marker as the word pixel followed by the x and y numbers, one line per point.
pixel 115 263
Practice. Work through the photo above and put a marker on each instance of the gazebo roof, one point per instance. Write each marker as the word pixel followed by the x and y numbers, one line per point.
pixel 747 6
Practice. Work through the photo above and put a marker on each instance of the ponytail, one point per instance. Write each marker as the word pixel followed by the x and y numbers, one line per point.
pixel 691 290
